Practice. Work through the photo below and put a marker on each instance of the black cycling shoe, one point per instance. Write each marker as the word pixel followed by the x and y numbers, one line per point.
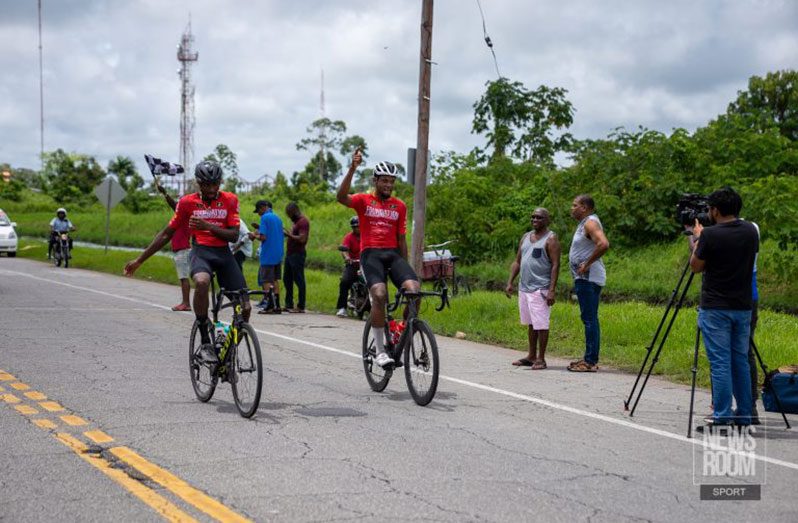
pixel 207 354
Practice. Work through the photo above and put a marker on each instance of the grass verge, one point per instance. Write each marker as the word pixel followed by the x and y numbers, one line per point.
pixel 490 317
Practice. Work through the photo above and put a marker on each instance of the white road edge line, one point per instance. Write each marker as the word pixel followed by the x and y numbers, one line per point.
pixel 502 392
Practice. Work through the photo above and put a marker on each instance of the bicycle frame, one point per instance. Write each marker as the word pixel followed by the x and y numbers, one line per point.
pixel 235 299
pixel 410 300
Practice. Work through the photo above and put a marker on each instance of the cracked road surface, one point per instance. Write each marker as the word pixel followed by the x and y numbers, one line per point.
pixel 497 443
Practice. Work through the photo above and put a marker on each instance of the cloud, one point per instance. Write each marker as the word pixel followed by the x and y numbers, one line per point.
pixel 111 86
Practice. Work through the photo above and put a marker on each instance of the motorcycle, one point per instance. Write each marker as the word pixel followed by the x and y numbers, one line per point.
pixel 61 250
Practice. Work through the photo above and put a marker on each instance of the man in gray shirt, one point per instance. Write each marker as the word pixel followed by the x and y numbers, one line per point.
pixel 587 247
pixel 538 260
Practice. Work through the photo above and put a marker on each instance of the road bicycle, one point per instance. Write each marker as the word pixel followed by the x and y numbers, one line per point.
pixel 440 267
pixel 358 302
pixel 415 348
pixel 240 361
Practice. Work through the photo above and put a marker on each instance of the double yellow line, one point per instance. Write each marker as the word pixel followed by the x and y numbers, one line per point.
pixel 40 411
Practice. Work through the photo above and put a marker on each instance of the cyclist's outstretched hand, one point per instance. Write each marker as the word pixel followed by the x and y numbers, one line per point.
pixel 131 267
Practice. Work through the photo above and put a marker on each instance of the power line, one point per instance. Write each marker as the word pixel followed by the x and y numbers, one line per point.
pixel 488 40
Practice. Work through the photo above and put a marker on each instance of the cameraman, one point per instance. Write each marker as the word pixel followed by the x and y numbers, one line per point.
pixel 725 253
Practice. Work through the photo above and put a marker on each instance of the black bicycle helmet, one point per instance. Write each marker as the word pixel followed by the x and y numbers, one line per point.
pixel 385 169
pixel 208 172
pixel 354 222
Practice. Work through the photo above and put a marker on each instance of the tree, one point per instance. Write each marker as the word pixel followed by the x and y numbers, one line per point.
pixel 328 135
pixel 71 177
pixel 137 199
pixel 772 99
pixel 229 162
pixel 524 121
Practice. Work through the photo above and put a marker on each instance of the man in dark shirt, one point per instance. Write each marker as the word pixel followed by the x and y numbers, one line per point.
pixel 725 253
pixel 295 258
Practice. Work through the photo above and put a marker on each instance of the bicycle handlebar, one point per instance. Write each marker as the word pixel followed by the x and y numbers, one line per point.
pixel 403 293
pixel 230 295
pixel 439 245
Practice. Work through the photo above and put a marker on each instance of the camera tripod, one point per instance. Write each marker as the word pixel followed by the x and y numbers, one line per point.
pixel 669 316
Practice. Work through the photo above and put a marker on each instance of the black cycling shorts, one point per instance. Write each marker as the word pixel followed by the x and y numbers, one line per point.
pixel 377 264
pixel 219 261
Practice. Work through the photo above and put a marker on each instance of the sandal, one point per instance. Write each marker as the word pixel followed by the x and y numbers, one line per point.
pixel 523 362
pixel 181 308
pixel 583 366
pixel 539 365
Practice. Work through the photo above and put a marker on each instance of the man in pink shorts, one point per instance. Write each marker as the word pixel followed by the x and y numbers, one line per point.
pixel 538 261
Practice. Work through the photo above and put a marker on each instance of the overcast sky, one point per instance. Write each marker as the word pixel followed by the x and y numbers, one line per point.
pixel 111 88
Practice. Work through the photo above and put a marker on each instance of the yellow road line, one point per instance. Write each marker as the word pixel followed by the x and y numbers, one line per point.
pixel 177 486
pixel 74 421
pixel 98 436
pixel 20 386
pixel 155 501
pixel 4 376
pixel 2 389
pixel 26 409
pixel 52 406
pixel 35 396
pixel 10 398
pixel 44 423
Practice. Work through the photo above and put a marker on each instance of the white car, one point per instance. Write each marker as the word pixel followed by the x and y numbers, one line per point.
pixel 8 235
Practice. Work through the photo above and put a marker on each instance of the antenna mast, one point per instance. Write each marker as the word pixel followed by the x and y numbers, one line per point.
pixel 185 55
pixel 322 136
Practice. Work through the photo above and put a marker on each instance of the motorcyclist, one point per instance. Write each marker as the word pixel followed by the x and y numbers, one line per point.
pixel 58 225
pixel 351 258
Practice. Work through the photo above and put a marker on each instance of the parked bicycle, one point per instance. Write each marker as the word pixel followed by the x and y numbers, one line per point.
pixel 358 302
pixel 412 345
pixel 440 267
pixel 240 361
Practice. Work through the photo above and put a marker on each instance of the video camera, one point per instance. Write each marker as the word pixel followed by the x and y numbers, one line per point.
pixel 692 207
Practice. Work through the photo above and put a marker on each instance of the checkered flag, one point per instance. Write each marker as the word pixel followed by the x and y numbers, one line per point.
pixel 158 166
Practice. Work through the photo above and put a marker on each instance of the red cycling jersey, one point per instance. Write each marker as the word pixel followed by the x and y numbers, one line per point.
pixel 381 221
pixel 353 243
pixel 222 212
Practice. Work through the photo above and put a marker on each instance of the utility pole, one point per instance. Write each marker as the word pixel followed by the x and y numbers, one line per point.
pixel 322 137
pixel 41 93
pixel 422 140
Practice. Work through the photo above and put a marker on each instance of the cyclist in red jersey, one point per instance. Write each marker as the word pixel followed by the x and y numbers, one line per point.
pixel 383 246
pixel 213 221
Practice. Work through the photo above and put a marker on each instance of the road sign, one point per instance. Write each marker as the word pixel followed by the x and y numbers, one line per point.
pixel 109 192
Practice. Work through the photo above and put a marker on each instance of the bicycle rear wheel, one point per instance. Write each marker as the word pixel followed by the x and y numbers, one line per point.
pixel 202 379
pixel 246 371
pixel 421 363
pixel 377 377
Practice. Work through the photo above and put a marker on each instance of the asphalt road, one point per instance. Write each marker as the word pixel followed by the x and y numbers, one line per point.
pixel 98 422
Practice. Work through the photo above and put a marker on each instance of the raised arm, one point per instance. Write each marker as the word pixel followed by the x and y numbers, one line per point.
pixel 343 191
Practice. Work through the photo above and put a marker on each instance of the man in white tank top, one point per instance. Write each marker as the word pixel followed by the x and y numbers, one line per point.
pixel 538 260
pixel 587 247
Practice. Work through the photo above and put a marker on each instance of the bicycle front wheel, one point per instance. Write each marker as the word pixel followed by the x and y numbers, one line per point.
pixel 246 368
pixel 202 378
pixel 377 377
pixel 421 363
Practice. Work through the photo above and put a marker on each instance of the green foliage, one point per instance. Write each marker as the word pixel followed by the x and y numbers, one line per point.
pixel 524 121
pixel 770 100
pixel 11 190
pixel 138 200
pixel 71 177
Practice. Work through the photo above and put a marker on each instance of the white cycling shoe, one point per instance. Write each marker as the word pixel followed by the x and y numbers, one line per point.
pixel 341 313
pixel 383 359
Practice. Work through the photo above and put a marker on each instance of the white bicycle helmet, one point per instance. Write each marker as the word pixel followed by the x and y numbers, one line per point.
pixel 385 169
pixel 61 210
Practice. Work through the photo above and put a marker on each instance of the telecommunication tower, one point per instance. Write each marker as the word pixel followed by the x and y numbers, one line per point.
pixel 186 56
pixel 322 136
